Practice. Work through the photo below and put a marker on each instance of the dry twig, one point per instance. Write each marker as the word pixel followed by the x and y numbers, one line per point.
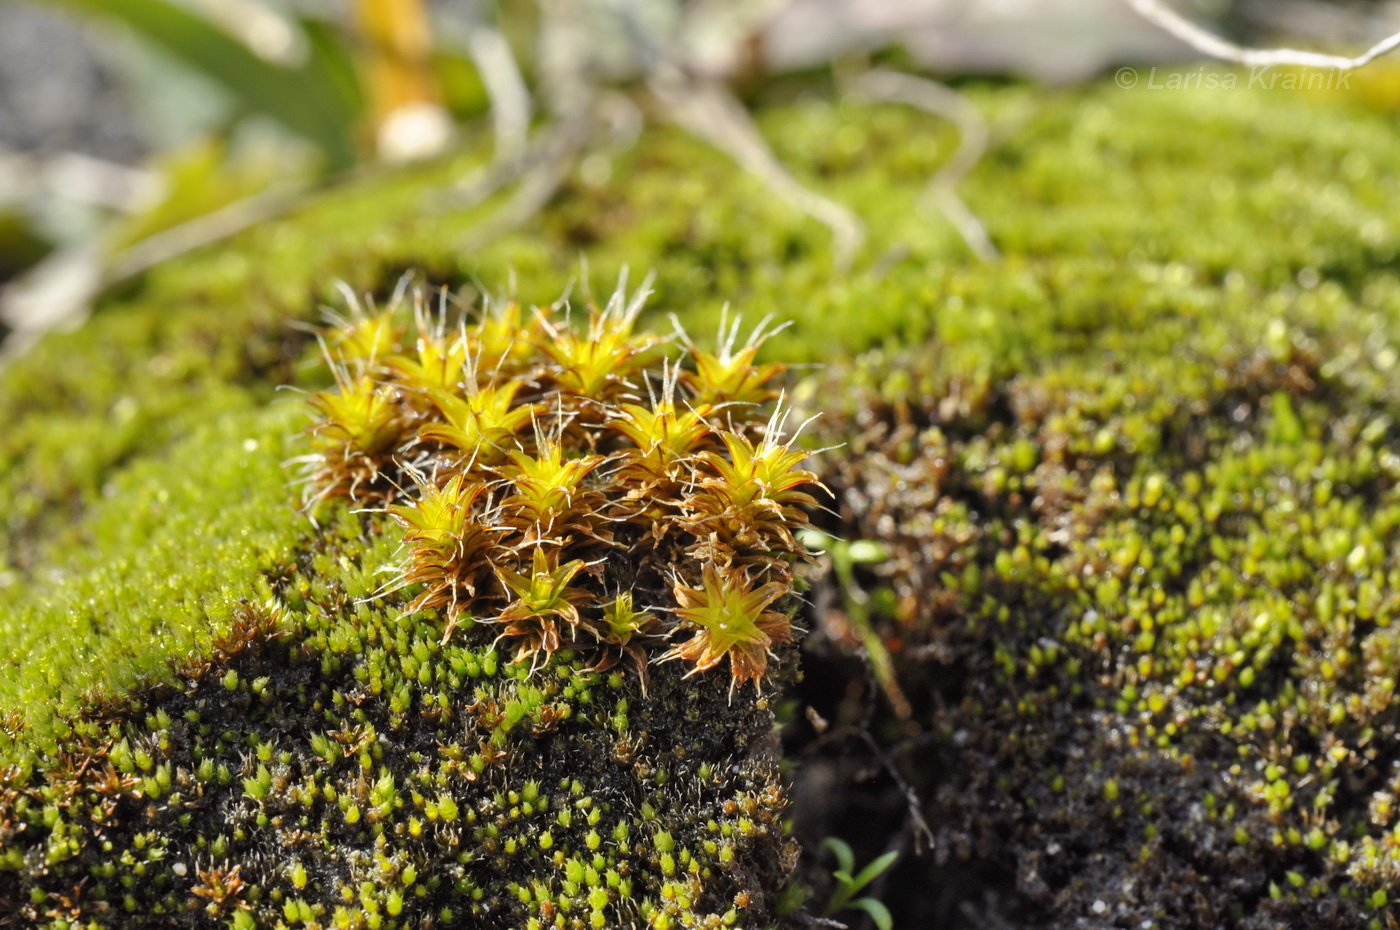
pixel 941 100
pixel 709 111
pixel 1207 43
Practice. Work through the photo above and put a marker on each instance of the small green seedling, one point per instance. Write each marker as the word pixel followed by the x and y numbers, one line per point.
pixel 843 897
pixel 845 555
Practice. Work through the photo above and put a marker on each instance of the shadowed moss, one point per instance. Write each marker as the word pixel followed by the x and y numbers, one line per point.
pixel 1140 618
pixel 337 765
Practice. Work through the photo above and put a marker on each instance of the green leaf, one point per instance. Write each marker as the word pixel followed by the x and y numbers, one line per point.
pixel 332 56
pixel 879 914
pixel 866 551
pixel 845 858
pixel 311 100
pixel 871 871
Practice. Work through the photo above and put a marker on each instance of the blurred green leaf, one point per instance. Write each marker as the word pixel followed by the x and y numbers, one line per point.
pixel 206 175
pixel 463 92
pixel 845 857
pixel 317 100
pixel 331 57
pixel 873 870
pixel 21 244
pixel 879 914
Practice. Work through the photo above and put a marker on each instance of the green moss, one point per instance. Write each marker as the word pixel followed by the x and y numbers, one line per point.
pixel 335 763
pixel 153 569
pixel 359 714
pixel 1177 380
pixel 1054 195
pixel 1146 601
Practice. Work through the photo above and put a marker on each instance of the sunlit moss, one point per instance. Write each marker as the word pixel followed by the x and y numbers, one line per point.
pixel 1137 227
pixel 422 692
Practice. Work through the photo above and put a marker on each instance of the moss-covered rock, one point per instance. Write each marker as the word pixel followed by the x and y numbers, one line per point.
pixel 1128 608
pixel 340 766
pixel 1133 499
pixel 427 720
pixel 1141 626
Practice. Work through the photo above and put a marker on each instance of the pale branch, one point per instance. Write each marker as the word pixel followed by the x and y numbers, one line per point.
pixel 78 178
pixel 60 291
pixel 709 111
pixel 505 86
pixel 541 171
pixel 203 230
pixel 1209 44
pixel 943 101
pixel 923 835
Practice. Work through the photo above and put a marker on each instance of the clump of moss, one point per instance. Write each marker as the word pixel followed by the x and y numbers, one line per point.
pixel 562 477
pixel 358 752
pixel 151 571
pixel 1139 619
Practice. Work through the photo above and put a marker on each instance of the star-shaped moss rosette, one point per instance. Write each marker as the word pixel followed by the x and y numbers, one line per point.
pixel 544 610
pixel 729 617
pixel 598 488
pixel 627 634
pixel 450 548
